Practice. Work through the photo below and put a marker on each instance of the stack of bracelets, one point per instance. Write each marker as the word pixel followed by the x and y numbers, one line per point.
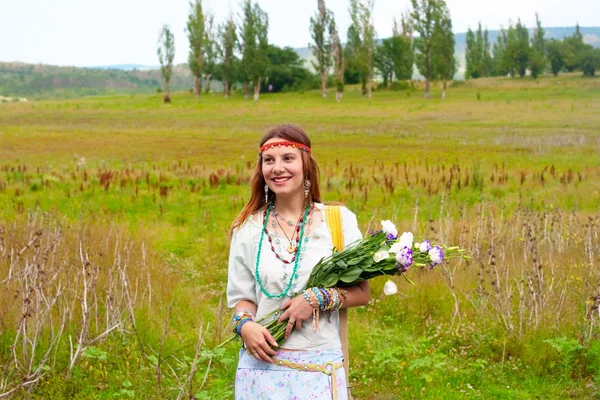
pixel 240 318
pixel 322 299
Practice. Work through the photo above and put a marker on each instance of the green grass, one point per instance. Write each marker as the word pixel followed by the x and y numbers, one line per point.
pixel 508 168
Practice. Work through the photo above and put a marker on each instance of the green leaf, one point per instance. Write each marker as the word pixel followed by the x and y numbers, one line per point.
pixel 127 383
pixel 350 275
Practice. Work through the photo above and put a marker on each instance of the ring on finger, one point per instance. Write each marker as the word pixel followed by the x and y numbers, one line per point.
pixel 290 322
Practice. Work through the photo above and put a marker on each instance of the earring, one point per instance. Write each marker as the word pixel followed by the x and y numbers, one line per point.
pixel 306 188
pixel 266 194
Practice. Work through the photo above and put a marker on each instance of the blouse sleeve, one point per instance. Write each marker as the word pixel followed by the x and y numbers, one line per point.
pixel 241 284
pixel 350 226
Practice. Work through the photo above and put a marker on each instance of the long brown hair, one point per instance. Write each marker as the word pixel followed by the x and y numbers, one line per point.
pixel 292 133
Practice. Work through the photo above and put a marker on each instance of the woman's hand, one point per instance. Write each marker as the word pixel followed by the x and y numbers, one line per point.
pixel 297 310
pixel 257 339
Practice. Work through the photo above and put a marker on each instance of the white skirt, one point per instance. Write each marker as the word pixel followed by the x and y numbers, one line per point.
pixel 257 379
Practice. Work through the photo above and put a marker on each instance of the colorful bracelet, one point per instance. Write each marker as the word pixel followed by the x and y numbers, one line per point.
pixel 240 318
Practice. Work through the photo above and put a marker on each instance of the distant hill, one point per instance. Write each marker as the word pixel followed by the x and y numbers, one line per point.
pixel 50 82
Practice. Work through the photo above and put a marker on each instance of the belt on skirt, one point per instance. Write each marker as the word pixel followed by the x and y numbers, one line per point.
pixel 328 368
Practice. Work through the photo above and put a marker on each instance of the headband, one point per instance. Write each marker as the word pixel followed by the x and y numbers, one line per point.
pixel 295 145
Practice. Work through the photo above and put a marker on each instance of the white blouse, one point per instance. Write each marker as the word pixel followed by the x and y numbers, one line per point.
pixel 275 275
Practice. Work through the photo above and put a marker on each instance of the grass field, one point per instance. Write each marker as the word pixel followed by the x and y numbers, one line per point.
pixel 114 217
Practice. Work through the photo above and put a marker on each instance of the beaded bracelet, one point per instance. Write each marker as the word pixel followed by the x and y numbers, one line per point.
pixel 326 300
pixel 240 318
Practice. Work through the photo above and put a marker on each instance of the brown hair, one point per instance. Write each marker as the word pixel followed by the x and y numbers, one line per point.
pixel 292 133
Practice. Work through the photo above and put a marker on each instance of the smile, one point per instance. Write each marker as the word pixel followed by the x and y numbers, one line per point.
pixel 281 180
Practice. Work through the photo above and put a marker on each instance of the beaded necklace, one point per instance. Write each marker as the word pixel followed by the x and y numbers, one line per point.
pixel 262 235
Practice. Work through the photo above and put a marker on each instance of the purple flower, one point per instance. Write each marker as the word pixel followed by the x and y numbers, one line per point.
pixel 404 257
pixel 425 246
pixel 436 255
pixel 391 236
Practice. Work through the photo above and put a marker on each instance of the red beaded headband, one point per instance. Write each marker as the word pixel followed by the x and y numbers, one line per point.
pixel 295 145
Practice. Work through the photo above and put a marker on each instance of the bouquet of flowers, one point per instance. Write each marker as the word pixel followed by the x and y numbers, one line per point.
pixel 380 253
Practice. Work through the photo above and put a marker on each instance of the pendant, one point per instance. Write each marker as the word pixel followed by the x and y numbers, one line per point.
pixel 291 249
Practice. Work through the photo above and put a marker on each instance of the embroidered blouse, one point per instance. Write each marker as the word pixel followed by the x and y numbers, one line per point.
pixel 275 275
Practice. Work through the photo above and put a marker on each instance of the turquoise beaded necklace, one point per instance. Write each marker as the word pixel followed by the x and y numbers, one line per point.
pixel 262 235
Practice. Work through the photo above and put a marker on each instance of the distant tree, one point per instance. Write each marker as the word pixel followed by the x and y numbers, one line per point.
pixel 537 61
pixel 195 33
pixel 383 59
pixel 286 70
pixel 572 46
pixel 362 32
pixel 443 48
pixel 338 60
pixel 588 60
pixel 499 57
pixel 403 53
pixel 487 62
pixel 472 57
pixel 322 48
pixel 425 15
pixel 210 50
pixel 254 46
pixel 522 50
pixel 353 72
pixel 554 53
pixel 227 43
pixel 166 54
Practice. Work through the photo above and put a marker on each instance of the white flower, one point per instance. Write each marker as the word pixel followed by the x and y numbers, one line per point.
pixel 406 239
pixel 417 245
pixel 396 248
pixel 381 255
pixel 425 246
pixel 389 228
pixel 390 288
pixel 436 255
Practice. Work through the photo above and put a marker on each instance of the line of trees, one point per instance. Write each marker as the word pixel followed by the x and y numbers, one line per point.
pixel 515 53
pixel 237 52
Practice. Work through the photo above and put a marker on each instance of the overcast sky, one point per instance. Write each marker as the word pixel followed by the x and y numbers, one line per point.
pixel 107 32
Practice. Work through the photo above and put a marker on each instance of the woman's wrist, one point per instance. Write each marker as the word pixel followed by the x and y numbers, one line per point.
pixel 240 318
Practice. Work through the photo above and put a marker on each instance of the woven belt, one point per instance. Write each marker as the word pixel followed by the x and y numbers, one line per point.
pixel 328 368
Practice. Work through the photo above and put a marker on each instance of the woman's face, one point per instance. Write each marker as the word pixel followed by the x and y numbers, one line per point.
pixel 282 170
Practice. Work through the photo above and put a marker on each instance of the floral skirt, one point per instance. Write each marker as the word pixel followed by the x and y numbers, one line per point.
pixel 257 379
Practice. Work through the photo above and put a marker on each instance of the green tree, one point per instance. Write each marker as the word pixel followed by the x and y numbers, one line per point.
pixel 227 43
pixel 443 49
pixel 286 70
pixel 166 54
pixel 499 57
pixel 195 33
pixel 338 60
pixel 472 56
pixel 487 63
pixel 322 47
pixel 554 53
pixel 425 15
pixel 383 59
pixel 572 46
pixel 254 46
pixel 362 32
pixel 521 51
pixel 403 53
pixel 588 60
pixel 210 50
pixel 537 61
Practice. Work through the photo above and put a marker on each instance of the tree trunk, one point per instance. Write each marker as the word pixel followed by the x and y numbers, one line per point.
pixel 324 84
pixel 197 84
pixel 257 90
pixel 246 90
pixel 444 91
pixel 338 96
pixel 369 85
pixel 226 91
pixel 207 88
pixel 426 88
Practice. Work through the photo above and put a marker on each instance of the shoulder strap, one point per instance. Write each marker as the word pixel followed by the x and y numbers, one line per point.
pixel 333 216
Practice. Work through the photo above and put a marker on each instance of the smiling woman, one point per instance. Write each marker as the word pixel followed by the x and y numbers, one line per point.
pixel 277 239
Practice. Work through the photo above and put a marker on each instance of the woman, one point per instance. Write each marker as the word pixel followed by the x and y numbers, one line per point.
pixel 277 239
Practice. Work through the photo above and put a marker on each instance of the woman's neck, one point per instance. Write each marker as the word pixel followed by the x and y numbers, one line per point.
pixel 290 207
